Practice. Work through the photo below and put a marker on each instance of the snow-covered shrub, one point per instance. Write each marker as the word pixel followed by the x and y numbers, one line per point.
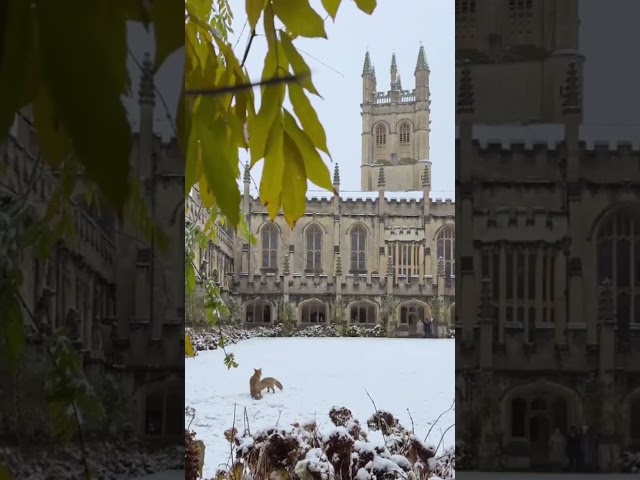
pixel 631 462
pixel 344 452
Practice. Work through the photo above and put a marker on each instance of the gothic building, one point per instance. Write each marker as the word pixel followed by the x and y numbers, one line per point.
pixel 384 255
pixel 549 323
pixel 112 289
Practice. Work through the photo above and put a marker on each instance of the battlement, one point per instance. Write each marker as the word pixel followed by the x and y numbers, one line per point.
pixel 521 224
pixel 366 284
pixel 386 98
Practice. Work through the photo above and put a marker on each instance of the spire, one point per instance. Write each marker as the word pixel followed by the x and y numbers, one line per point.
pixel 247 175
pixel 146 94
pixel 336 175
pixel 421 64
pixel 381 177
pixel 367 68
pixel 426 177
pixel 394 65
pixel 465 101
pixel 571 91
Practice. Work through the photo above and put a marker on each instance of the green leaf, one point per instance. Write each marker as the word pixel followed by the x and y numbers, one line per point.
pixel 219 160
pixel 53 141
pixel 367 6
pixel 17 80
pixel 12 331
pixel 316 170
pixel 298 64
pixel 69 31
pixel 331 6
pixel 168 26
pixel 254 10
pixel 299 18
pixel 273 171
pixel 294 199
pixel 308 117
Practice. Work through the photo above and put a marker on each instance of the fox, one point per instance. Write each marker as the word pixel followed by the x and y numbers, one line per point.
pixel 254 384
pixel 269 383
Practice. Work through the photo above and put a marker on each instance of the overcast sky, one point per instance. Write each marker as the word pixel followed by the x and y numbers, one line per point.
pixel 608 36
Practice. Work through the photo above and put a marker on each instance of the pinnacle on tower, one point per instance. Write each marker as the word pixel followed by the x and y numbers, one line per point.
pixel 338 265
pixel 146 93
pixel 571 90
pixel 394 65
pixel 399 83
pixel 381 177
pixel 247 175
pixel 485 294
pixel 367 68
pixel 421 64
pixel 465 101
pixel 373 69
pixel 426 177
pixel 336 175
pixel 286 269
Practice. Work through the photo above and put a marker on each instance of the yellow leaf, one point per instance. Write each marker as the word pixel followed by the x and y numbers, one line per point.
pixel 168 26
pixel 315 168
pixel 299 18
pixel 294 199
pixel 189 351
pixel 53 140
pixel 254 9
pixel 272 173
pixel 308 117
pixel 331 6
pixel 260 125
pixel 298 64
pixel 367 6
pixel 17 80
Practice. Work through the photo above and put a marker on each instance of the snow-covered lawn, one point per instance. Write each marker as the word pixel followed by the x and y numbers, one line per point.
pixel 411 378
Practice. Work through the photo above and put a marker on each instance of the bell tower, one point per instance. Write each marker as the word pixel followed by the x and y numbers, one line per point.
pixel 395 127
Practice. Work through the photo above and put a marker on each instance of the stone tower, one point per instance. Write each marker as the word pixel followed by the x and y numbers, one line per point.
pixel 523 46
pixel 395 128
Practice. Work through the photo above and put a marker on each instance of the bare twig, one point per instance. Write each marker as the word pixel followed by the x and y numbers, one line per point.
pixel 214 92
pixel 453 404
pixel 443 434
pixel 413 427
pixel 378 417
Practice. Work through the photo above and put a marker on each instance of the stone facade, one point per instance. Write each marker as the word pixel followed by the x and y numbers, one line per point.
pixel 548 272
pixel 385 256
pixel 115 291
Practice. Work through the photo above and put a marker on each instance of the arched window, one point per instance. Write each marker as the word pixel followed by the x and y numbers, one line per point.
pixel 445 250
pixel 405 134
pixel 258 311
pixel 363 312
pixel 412 314
pixel 618 260
pixel 313 311
pixel 381 135
pixel 269 236
pixel 358 249
pixel 314 248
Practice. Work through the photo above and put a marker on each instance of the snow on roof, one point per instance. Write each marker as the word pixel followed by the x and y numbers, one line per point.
pixel 553 134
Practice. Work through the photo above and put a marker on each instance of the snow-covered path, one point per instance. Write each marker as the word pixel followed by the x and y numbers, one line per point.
pixel 411 378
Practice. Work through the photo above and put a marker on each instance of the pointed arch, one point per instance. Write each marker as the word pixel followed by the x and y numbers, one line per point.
pixel 445 240
pixel 380 131
pixel 313 310
pixel 313 238
pixel 259 311
pixel 617 254
pixel 411 312
pixel 358 235
pixel 269 234
pixel 363 311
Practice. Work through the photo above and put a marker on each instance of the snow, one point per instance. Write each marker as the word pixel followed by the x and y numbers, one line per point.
pixel 401 375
